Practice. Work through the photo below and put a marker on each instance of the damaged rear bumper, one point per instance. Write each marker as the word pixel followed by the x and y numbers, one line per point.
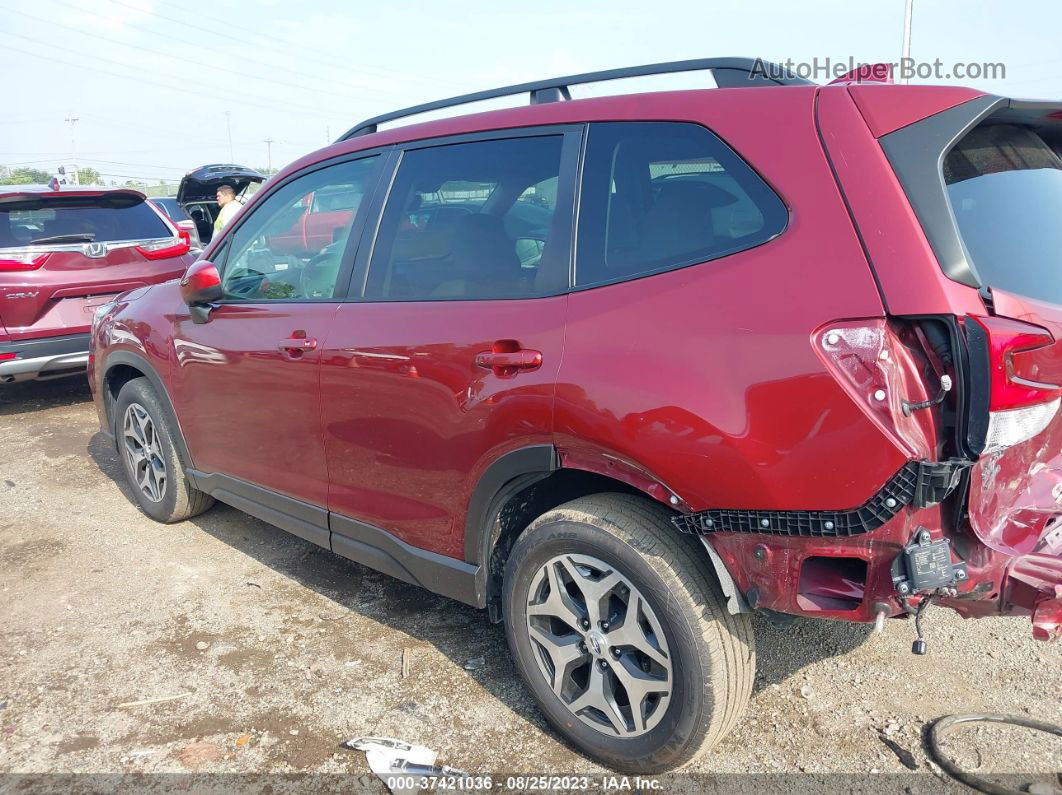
pixel 1033 586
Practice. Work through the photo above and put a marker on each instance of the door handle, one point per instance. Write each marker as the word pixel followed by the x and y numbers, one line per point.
pixel 506 358
pixel 296 346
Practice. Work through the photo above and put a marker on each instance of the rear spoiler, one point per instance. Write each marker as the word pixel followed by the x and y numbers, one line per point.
pixel 32 199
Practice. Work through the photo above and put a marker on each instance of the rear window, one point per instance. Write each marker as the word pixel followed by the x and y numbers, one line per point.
pixel 41 221
pixel 1005 187
pixel 662 195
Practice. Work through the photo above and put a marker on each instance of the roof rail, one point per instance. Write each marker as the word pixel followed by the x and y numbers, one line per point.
pixel 728 73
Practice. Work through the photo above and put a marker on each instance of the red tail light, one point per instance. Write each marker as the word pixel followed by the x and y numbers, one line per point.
pixel 22 261
pixel 164 249
pixel 1025 377
pixel 1022 366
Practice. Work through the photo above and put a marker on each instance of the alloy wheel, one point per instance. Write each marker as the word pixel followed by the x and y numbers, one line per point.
pixel 599 645
pixel 143 452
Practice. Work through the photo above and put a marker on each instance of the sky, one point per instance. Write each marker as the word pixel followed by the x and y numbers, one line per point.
pixel 159 88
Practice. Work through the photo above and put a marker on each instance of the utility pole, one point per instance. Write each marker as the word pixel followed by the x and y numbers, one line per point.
pixel 269 154
pixel 905 59
pixel 71 119
pixel 328 134
pixel 228 126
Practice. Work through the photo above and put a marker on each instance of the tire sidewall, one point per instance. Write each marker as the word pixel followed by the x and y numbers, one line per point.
pixel 138 391
pixel 682 725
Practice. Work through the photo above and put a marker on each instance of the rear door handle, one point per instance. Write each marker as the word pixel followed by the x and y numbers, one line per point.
pixel 506 359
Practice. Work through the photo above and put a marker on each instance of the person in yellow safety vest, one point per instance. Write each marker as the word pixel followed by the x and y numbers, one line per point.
pixel 226 196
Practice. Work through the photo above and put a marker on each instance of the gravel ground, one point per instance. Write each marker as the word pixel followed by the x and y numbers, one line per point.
pixel 276 651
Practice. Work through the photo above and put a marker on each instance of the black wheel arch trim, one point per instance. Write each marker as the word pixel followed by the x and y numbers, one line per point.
pixel 141 364
pixel 507 475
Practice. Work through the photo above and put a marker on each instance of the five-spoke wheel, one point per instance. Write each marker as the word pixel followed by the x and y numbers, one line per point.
pixel 621 632
pixel 599 645
pixel 143 452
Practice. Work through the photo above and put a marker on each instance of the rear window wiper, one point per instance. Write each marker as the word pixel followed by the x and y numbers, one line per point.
pixel 83 237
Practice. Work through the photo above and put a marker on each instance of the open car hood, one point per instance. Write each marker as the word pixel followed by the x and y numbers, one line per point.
pixel 202 183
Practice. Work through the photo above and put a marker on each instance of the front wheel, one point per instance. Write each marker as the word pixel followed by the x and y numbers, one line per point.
pixel 622 634
pixel 153 469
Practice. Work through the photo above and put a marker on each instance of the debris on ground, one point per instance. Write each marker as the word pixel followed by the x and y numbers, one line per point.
pixel 906 758
pixel 475 663
pixel 146 701
pixel 405 663
pixel 198 754
pixel 394 761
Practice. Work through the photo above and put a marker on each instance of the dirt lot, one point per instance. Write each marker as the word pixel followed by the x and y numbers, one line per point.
pixel 278 651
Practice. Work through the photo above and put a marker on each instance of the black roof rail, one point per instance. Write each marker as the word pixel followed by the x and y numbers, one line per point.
pixel 728 73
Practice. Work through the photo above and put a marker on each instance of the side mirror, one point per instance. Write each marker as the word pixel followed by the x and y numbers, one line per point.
pixel 200 288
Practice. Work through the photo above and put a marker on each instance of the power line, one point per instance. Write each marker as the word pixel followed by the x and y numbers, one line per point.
pixel 195 92
pixel 213 68
pixel 229 36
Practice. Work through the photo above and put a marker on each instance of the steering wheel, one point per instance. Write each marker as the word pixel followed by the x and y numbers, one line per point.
pixel 247 285
pixel 318 279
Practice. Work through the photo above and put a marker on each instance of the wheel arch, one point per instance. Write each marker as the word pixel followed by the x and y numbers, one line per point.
pixel 122 367
pixel 519 487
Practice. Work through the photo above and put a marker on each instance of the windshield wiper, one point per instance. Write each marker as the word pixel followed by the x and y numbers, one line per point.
pixel 83 237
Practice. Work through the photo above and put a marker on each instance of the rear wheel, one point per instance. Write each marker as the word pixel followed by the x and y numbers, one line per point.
pixel 153 469
pixel 622 634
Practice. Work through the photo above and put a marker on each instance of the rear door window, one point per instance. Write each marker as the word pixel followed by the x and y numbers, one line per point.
pixel 662 195
pixel 1005 187
pixel 72 220
pixel 473 220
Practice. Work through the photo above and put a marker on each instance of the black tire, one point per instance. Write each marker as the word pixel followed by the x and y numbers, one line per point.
pixel 178 500
pixel 712 652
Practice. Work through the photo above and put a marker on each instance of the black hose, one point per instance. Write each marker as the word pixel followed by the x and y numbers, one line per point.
pixel 969 779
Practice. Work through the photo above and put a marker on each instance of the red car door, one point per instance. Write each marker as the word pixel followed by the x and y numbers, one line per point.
pixel 451 358
pixel 247 382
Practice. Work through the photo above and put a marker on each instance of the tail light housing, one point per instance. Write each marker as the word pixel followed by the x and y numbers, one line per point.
pixel 16 260
pixel 1024 378
pixel 164 249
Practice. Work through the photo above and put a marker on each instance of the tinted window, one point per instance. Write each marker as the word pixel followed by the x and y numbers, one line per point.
pixel 659 195
pixel 292 246
pixel 1005 187
pixel 101 220
pixel 470 221
pixel 172 209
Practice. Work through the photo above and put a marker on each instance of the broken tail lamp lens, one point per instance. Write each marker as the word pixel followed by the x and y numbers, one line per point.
pixel 1025 376
pixel 21 260
pixel 171 247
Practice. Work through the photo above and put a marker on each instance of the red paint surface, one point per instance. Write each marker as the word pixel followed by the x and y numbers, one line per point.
pixel 411 422
pixel 887 108
pixel 249 409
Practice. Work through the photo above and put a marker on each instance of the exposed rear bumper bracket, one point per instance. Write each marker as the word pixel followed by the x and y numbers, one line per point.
pixel 919 484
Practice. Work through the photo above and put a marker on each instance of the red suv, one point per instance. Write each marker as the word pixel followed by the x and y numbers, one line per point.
pixel 64 253
pixel 622 370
